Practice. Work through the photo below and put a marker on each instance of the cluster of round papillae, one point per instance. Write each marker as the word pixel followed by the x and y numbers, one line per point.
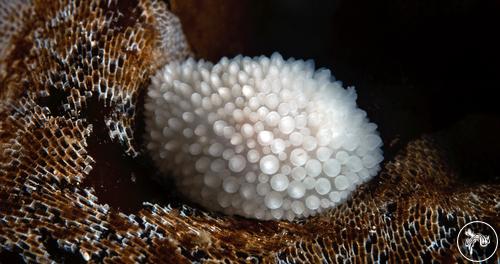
pixel 259 137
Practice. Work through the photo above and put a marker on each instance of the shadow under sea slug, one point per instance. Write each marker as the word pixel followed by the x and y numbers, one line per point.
pixel 73 77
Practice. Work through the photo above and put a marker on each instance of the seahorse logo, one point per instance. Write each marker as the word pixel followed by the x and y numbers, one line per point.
pixel 475 237
pixel 477 232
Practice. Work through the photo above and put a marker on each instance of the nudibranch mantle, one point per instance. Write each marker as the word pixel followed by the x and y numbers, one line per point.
pixel 263 138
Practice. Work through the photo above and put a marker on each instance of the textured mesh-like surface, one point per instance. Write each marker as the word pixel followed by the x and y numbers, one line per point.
pixel 71 77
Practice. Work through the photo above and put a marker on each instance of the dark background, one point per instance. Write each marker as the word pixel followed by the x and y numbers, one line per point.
pixel 419 66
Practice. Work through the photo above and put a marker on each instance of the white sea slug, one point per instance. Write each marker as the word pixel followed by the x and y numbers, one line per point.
pixel 259 137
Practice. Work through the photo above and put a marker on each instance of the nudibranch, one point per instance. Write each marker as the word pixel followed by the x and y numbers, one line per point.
pixel 75 181
pixel 261 137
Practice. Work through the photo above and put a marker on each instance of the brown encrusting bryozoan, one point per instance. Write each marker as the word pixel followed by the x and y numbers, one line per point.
pixel 71 75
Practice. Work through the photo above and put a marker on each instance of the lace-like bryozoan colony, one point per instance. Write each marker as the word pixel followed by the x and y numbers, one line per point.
pixel 70 78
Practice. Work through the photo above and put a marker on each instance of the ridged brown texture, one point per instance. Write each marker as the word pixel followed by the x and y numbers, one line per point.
pixel 71 79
